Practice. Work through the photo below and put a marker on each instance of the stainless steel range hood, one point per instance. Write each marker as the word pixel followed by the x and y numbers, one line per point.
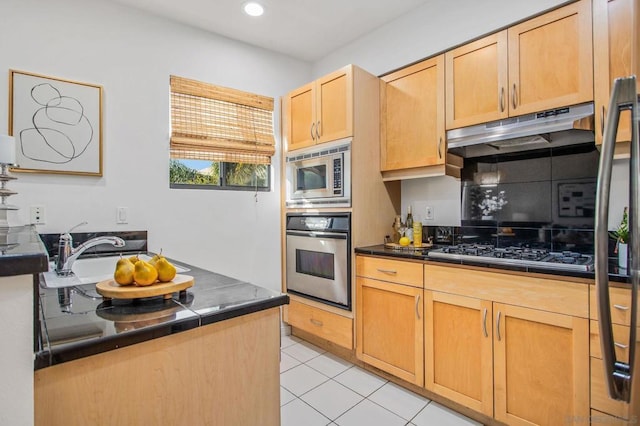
pixel 553 128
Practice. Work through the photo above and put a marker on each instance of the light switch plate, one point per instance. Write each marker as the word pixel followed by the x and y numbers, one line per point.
pixel 122 215
pixel 428 214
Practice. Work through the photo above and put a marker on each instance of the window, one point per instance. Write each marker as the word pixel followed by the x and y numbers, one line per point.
pixel 220 138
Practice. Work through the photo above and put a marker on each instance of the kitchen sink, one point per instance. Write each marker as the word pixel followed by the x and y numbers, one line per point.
pixel 89 271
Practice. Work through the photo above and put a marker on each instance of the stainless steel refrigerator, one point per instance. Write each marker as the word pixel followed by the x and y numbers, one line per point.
pixel 622 375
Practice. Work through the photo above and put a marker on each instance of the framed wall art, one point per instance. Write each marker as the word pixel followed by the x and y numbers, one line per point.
pixel 57 124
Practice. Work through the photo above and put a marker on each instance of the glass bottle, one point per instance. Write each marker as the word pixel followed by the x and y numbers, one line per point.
pixel 409 223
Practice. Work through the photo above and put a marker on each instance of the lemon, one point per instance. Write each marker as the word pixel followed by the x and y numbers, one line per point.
pixel 404 241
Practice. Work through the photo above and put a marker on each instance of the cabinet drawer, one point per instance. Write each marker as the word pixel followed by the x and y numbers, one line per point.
pixel 620 302
pixel 600 397
pixel 598 418
pixel 396 271
pixel 620 339
pixel 326 325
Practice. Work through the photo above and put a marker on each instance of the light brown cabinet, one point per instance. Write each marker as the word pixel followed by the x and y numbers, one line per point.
pixel 321 111
pixel 524 342
pixel 326 325
pixel 389 323
pixel 616 41
pixel 620 305
pixel 412 116
pixel 542 63
pixel 459 353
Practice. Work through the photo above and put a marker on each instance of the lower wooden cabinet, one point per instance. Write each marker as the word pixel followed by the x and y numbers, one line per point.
pixel 459 349
pixel 326 325
pixel 520 365
pixel 541 366
pixel 390 328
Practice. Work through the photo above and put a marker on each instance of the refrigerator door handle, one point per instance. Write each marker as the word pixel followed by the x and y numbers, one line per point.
pixel 618 374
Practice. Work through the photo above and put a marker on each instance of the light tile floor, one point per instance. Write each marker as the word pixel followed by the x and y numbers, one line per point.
pixel 318 388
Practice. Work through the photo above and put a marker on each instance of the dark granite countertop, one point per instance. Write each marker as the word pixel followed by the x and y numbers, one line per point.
pixel 615 273
pixel 22 252
pixel 76 322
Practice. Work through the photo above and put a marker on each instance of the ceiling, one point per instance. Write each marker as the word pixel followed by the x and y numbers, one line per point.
pixel 304 29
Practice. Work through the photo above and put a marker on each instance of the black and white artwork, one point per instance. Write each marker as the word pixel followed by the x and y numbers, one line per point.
pixel 56 124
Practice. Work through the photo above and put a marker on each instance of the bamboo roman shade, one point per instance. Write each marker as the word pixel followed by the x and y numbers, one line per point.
pixel 216 123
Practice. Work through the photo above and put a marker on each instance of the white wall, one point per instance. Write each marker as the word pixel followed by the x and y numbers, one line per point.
pixel 435 27
pixel 131 54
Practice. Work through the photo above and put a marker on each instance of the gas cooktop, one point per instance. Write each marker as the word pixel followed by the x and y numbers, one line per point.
pixel 516 256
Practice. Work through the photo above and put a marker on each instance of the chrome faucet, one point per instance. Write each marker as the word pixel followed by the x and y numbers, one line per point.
pixel 67 254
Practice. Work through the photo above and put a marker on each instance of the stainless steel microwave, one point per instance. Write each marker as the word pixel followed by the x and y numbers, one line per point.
pixel 320 176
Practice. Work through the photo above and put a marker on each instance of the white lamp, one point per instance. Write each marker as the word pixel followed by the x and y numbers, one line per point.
pixel 7 159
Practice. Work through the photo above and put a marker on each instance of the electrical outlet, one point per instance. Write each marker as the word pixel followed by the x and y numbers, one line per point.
pixel 428 215
pixel 122 214
pixel 37 215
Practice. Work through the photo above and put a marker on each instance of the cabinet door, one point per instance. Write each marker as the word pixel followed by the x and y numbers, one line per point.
pixel 458 349
pixel 551 60
pixel 300 117
pixel 541 362
pixel 615 42
pixel 412 133
pixel 476 82
pixel 334 105
pixel 390 328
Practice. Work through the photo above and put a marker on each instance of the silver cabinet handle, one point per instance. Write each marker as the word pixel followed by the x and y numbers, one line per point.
pixel 484 322
pixel 440 148
pixel 621 307
pixel 387 271
pixel 602 121
pixel 318 130
pixel 313 125
pixel 502 99
pixel 315 322
pixel 514 99
pixel 417 303
pixel 498 326
pixel 620 345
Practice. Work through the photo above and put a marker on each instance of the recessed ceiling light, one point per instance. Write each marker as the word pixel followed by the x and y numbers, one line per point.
pixel 253 9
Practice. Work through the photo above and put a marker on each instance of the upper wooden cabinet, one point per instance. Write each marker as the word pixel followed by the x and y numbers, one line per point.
pixel 476 82
pixel 615 44
pixel 542 63
pixel 412 116
pixel 321 111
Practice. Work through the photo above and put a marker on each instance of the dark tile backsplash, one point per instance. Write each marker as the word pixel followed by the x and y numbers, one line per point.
pixel 544 199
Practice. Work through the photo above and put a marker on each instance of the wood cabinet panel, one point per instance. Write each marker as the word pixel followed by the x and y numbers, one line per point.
pixel 458 349
pixel 397 271
pixel 412 127
pixel 620 340
pixel 599 395
pixel 301 110
pixel 619 302
pixel 335 106
pixel 541 366
pixel 551 60
pixel 390 329
pixel 320 111
pixel 476 82
pixel 329 326
pixel 615 45
pixel 568 297
pixel 224 373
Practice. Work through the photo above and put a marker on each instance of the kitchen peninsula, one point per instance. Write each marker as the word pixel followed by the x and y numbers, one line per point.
pixel 209 355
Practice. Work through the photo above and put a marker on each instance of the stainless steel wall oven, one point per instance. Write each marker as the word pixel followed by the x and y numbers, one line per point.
pixel 318 262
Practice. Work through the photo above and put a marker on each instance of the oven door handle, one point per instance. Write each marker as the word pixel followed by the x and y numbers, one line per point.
pixel 321 234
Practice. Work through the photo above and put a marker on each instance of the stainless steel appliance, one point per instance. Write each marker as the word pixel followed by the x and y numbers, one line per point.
pixel 621 376
pixel 319 176
pixel 553 128
pixel 516 256
pixel 318 264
